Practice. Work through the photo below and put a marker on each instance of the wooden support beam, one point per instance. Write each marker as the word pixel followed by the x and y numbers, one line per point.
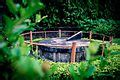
pixel 110 39
pixel 103 46
pixel 31 38
pixel 73 54
pixel 59 33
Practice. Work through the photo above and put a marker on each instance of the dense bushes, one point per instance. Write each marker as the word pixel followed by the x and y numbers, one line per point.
pixel 110 68
pixel 104 68
pixel 74 12
pixel 84 15
pixel 117 41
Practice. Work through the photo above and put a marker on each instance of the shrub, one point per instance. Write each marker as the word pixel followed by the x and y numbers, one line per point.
pixel 105 68
pixel 117 41
pixel 109 68
pixel 114 47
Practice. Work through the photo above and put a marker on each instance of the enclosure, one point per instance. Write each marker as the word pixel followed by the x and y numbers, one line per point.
pixel 56 48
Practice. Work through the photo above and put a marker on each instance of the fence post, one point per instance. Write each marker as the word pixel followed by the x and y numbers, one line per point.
pixel 103 46
pixel 111 38
pixel 30 37
pixel 73 54
pixel 59 33
pixel 90 35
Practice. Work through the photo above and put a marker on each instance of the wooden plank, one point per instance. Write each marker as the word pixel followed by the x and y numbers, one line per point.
pixel 111 39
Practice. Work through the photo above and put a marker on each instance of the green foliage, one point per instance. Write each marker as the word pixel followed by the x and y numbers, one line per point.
pixel 50 72
pixel 32 24
pixel 86 15
pixel 93 47
pixel 117 41
pixel 110 68
pixel 14 52
pixel 85 70
pixel 104 26
pixel 27 68
pixel 98 68
pixel 114 48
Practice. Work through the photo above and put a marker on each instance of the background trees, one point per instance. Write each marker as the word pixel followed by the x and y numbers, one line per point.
pixel 97 15
pixel 83 14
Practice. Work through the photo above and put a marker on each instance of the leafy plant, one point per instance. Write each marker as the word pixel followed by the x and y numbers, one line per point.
pixel 107 67
pixel 116 40
pixel 85 70
pixel 31 24
pixel 93 47
pixel 13 58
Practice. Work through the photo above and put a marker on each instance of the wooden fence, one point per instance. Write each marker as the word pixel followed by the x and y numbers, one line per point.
pixel 50 34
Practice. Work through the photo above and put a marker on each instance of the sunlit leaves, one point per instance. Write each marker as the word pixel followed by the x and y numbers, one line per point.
pixel 39 18
pixel 93 47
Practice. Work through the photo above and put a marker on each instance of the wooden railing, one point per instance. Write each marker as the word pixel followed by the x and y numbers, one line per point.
pixel 60 34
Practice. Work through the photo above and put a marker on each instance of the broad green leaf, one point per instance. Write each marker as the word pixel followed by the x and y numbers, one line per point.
pixel 82 68
pixel 24 2
pixel 38 18
pixel 9 25
pixel 93 47
pixel 87 54
pixel 19 29
pixel 12 7
pixel 21 40
pixel 2 44
pixel 73 72
pixel 103 62
pixel 90 71
pixel 22 11
pixel 15 53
